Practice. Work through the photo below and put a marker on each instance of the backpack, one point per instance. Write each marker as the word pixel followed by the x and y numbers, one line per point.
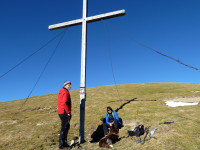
pixel 138 131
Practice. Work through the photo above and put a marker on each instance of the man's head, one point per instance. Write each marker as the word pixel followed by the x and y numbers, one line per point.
pixel 67 85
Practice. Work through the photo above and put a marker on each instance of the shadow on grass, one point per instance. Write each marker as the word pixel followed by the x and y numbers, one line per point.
pixel 128 101
pixel 98 134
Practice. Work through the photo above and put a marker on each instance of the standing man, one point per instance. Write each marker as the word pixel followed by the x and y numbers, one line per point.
pixel 64 112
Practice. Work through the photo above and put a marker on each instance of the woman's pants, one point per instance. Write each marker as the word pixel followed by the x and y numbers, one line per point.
pixel 106 126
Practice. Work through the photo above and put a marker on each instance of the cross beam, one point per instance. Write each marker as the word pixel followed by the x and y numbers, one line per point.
pixel 84 20
pixel 88 19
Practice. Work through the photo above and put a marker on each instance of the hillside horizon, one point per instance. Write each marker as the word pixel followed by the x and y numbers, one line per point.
pixel 36 125
pixel 96 87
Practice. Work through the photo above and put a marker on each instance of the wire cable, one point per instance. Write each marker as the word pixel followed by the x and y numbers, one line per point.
pixel 109 52
pixel 43 69
pixel 143 45
pixel 31 54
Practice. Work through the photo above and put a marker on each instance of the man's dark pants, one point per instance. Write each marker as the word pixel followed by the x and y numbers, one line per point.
pixel 65 125
pixel 106 126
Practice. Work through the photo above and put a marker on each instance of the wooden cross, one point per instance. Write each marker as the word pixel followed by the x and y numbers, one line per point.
pixel 84 20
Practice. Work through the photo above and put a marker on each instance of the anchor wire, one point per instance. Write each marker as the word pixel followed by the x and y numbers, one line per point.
pixel 26 58
pixel 111 64
pixel 44 69
pixel 145 46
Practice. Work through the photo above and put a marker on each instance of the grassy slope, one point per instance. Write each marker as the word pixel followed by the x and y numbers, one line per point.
pixel 37 125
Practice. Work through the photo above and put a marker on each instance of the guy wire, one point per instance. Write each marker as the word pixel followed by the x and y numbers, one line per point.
pixel 143 45
pixel 109 52
pixel 43 69
pixel 31 54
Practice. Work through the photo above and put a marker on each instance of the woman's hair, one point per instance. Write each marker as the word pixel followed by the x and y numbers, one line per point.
pixel 109 108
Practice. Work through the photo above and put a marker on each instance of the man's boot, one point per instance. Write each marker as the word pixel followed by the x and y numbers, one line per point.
pixel 65 140
pixel 61 140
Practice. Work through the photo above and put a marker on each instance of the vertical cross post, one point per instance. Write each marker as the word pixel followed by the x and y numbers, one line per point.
pixel 83 73
pixel 84 20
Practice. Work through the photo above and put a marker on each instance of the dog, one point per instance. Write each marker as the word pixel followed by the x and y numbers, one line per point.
pixel 111 138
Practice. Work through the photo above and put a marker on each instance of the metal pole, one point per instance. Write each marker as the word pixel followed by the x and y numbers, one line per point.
pixel 83 73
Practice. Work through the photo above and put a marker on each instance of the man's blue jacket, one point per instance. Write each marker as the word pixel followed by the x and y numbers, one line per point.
pixel 115 115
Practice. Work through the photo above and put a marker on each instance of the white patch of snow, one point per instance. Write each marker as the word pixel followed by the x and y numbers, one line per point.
pixel 176 104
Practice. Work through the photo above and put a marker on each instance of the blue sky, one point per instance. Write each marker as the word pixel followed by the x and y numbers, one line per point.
pixel 169 26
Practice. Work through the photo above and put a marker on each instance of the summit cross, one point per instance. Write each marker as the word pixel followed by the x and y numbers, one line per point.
pixel 84 20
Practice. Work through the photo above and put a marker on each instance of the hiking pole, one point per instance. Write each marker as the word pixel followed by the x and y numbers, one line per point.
pixel 147 131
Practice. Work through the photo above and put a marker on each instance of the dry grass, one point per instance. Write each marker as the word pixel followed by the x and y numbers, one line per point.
pixel 37 125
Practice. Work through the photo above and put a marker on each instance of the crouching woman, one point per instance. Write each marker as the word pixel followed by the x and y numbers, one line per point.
pixel 111 119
